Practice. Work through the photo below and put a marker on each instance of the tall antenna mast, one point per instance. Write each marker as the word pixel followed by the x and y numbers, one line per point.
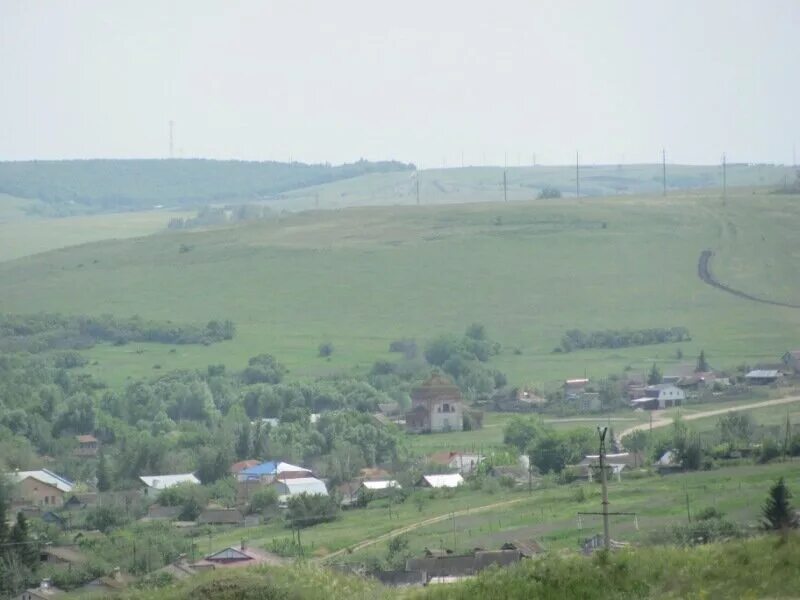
pixel 171 139
pixel 577 175
pixel 724 177
pixel 505 187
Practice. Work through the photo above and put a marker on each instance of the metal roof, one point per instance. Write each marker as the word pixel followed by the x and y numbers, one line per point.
pixel 162 482
pixel 448 480
pixel 272 468
pixel 300 485
pixel 762 373
pixel 380 485
pixel 45 476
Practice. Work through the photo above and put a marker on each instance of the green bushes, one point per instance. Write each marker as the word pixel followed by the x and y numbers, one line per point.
pixel 575 339
pixel 41 332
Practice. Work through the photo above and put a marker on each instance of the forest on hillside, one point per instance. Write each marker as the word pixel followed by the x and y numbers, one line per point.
pixel 75 186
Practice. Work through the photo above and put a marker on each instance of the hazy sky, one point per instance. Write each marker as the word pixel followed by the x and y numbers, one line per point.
pixel 419 81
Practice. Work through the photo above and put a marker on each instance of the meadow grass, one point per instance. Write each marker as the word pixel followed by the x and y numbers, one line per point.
pixel 361 278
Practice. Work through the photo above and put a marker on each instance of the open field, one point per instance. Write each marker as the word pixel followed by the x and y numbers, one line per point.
pixel 363 277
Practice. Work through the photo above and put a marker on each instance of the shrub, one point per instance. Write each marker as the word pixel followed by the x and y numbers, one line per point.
pixel 325 349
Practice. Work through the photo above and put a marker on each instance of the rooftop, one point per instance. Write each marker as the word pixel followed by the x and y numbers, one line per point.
pixel 272 468
pixel 381 485
pixel 763 373
pixel 448 480
pixel 162 482
pixel 45 476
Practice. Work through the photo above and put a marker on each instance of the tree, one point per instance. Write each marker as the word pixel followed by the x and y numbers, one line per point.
pixel 309 509
pixel 736 428
pixel 103 476
pixel 549 453
pixel 777 511
pixel 325 349
pixel 262 499
pixel 24 549
pixel 654 378
pixel 702 364
pixel 637 441
pixel 476 331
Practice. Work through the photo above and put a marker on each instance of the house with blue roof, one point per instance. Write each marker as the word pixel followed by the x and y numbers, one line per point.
pixel 269 471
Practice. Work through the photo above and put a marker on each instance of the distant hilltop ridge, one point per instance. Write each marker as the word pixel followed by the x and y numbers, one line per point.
pixel 132 184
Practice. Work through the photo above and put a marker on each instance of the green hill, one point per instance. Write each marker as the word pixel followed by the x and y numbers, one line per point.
pixel 361 278
pixel 758 568
pixel 136 184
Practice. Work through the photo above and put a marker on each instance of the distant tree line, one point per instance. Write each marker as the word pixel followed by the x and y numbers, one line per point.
pixel 575 339
pixel 48 331
pixel 113 185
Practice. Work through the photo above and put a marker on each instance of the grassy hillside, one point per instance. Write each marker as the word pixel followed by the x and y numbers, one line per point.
pixel 363 277
pixel 485 184
pixel 136 184
pixel 757 568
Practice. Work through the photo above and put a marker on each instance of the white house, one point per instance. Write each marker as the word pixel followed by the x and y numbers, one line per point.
pixel 155 484
pixel 450 480
pixel 286 488
pixel 661 396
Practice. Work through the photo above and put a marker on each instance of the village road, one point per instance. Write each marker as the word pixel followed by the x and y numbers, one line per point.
pixel 662 419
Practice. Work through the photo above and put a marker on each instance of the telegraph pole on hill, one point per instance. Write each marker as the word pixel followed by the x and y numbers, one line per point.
pixel 664 169
pixel 577 175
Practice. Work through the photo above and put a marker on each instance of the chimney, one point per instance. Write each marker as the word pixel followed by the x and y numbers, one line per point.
pixel 45 584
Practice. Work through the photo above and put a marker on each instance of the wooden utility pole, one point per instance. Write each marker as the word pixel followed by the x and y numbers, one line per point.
pixel 417 179
pixel 505 187
pixel 604 484
pixel 664 169
pixel 577 175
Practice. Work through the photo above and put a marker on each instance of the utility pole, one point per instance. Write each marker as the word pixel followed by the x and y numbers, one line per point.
pixel 664 169
pixel 577 175
pixel 505 187
pixel 606 535
pixel 417 178
pixel 688 512
pixel 453 516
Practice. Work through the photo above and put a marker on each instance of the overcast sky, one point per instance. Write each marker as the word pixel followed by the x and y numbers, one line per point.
pixel 420 81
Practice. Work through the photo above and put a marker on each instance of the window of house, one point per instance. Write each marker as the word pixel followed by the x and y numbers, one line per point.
pixel 47 499
pixel 446 407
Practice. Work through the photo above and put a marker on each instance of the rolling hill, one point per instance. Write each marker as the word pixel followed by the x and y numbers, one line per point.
pixel 528 270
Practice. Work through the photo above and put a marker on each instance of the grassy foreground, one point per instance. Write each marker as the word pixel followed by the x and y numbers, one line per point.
pixel 763 567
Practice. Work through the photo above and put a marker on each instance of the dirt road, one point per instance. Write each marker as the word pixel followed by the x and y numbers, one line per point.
pixel 412 526
pixel 660 419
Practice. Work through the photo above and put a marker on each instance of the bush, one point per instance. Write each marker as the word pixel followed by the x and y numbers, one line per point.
pixel 306 510
pixel 769 450
pixel 325 349
pixel 549 192
pixel 261 500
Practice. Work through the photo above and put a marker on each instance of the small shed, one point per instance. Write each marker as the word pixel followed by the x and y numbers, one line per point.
pixel 220 516
pixel 762 376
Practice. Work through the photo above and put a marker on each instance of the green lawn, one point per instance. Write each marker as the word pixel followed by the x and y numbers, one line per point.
pixel 363 277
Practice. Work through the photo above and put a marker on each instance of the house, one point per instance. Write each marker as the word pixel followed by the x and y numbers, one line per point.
pixel 88 446
pixel 463 462
pixel 574 388
pixel 267 472
pixel 442 481
pixel 220 516
pixel 240 466
pixel 177 570
pixel 80 501
pixel 69 556
pixel 436 406
pixel 615 463
pixel 660 397
pixel 526 548
pixel 792 360
pixel 155 484
pixel 38 488
pixel 762 376
pixel 156 512
pixel 460 566
pixel 45 591
pixel 379 489
pixel 299 485
pixel 237 557
pixel 109 585
pixel 589 402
